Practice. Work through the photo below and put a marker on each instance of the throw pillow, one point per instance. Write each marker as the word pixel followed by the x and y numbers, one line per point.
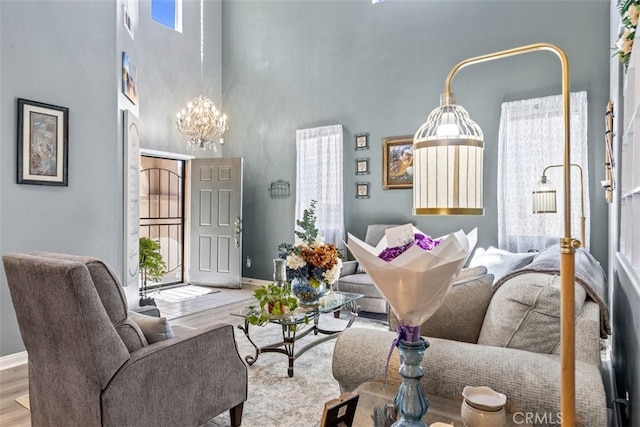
pixel 348 268
pixel 471 272
pixel 467 300
pixel 524 313
pixel 154 328
pixel 500 262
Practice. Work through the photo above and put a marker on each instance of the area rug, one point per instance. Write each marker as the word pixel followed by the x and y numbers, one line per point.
pixel 275 399
pixel 183 293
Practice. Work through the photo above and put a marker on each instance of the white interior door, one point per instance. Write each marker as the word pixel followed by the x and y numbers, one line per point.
pixel 216 222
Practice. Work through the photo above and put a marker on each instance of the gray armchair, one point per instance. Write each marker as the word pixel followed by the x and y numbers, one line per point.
pixel 90 365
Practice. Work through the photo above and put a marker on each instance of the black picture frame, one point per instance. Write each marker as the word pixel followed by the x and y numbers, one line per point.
pixel 43 143
pixel 362 141
pixel 362 190
pixel 362 166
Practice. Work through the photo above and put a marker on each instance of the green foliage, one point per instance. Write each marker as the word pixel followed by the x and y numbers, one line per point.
pixel 308 224
pixel 271 297
pixel 152 265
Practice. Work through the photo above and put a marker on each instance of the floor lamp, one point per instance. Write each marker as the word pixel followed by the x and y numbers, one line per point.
pixel 544 198
pixel 448 181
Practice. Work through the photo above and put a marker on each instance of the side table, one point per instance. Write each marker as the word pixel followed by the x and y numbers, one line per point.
pixel 374 394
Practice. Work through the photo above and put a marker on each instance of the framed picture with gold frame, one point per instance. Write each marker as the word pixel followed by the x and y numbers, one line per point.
pixel 397 162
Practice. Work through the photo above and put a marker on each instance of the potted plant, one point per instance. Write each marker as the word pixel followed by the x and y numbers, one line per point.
pixel 274 300
pixel 152 266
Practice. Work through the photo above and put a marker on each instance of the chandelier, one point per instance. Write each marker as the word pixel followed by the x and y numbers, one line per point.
pixel 201 120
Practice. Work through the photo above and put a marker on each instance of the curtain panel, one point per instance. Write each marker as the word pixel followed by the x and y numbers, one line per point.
pixel 319 177
pixel 531 137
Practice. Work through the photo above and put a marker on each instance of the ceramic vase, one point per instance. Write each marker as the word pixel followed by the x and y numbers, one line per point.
pixel 411 400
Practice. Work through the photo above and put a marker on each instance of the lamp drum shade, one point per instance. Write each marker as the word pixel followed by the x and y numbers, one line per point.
pixel 447 179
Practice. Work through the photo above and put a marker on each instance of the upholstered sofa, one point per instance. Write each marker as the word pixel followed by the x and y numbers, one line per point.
pixel 505 336
pixel 354 279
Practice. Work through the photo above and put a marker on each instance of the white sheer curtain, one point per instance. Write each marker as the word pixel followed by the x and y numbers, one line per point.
pixel 531 138
pixel 319 178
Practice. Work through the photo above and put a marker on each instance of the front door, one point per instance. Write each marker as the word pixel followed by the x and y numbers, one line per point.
pixel 216 222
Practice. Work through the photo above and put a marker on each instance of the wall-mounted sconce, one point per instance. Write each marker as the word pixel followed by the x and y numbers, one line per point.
pixel 279 190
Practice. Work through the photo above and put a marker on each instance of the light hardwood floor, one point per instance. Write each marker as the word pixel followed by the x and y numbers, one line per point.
pixel 14 381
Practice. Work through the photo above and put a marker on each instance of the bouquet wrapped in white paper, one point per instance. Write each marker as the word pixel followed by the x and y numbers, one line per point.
pixel 413 271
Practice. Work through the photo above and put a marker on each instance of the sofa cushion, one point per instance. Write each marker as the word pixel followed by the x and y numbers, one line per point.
pixel 468 298
pixel 348 268
pixel 358 284
pixel 524 313
pixel 471 272
pixel 500 262
pixel 154 328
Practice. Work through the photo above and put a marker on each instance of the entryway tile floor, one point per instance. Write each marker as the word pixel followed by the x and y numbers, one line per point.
pixel 218 298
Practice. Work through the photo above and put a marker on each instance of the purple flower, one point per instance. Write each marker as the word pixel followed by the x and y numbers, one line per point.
pixel 425 242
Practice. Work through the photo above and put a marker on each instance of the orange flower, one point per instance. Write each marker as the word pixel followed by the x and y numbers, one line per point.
pixel 325 256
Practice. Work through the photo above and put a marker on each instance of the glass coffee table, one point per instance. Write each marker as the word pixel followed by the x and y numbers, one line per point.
pixel 300 323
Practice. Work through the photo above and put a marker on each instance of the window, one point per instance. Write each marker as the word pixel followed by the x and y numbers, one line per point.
pixel 167 13
pixel 319 178
pixel 531 138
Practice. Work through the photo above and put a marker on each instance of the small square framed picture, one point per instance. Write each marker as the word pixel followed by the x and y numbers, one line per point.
pixel 362 141
pixel 362 166
pixel 362 190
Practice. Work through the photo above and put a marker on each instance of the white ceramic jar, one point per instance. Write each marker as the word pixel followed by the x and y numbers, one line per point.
pixel 483 407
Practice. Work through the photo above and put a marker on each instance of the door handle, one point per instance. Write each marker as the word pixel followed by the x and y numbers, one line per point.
pixel 237 229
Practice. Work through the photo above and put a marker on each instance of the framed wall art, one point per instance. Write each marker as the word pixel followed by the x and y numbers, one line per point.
pixel 362 166
pixel 397 162
pixel 129 79
pixel 362 190
pixel 362 141
pixel 43 142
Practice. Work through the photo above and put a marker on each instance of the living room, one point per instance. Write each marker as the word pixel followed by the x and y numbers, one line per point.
pixel 274 67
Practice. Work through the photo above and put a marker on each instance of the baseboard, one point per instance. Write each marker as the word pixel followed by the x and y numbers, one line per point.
pixel 251 283
pixel 13 360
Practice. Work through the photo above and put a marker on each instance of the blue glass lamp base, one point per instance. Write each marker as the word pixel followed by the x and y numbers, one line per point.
pixel 411 400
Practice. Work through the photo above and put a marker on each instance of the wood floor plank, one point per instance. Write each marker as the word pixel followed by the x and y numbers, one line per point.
pixel 14 383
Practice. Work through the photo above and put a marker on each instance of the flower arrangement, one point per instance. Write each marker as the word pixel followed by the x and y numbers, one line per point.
pixel 629 13
pixel 413 271
pixel 310 258
pixel 425 242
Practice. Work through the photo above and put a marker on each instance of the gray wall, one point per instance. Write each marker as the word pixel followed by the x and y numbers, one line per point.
pixel 69 53
pixel 380 69
pixel 43 60
pixel 168 65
